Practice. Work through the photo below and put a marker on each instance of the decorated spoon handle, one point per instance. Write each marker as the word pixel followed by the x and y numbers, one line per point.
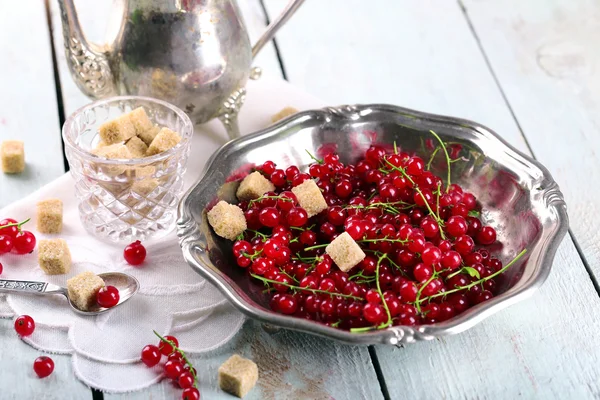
pixel 29 287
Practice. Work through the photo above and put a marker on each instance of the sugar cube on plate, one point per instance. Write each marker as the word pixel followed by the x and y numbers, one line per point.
pixel 54 256
pixel 227 220
pixel 50 216
pixel 165 139
pixel 253 186
pixel 310 197
pixel 345 252
pixel 238 375
pixel 83 288
pixel 12 153
pixel 117 130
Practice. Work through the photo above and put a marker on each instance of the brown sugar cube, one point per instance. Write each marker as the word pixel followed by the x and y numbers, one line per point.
pixel 140 120
pixel 285 112
pixel 164 140
pixel 227 220
pixel 50 216
pixel 117 130
pixel 345 252
pixel 238 375
pixel 144 186
pixel 310 197
pixel 54 256
pixel 83 288
pixel 101 144
pixel 113 151
pixel 149 135
pixel 136 147
pixel 13 156
pixel 253 186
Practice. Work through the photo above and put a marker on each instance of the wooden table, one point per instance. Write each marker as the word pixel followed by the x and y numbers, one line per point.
pixel 530 70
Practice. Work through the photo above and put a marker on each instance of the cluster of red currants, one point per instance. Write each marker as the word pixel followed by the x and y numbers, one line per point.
pixel 42 366
pixel 177 367
pixel 12 238
pixel 427 259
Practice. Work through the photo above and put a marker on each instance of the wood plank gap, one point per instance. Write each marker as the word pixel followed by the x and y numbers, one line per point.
pixel 57 85
pixel 514 116
pixel 379 373
pixel 277 53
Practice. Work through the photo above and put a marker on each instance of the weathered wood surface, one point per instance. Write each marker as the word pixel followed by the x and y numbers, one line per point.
pixel 425 56
pixel 29 112
pixel 545 55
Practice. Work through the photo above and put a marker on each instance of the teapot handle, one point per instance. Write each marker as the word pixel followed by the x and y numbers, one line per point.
pixel 274 26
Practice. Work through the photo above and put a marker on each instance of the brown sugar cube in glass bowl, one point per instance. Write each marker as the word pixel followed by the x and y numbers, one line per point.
pixel 227 220
pixel 137 148
pixel 149 135
pixel 117 130
pixel 285 112
pixel 165 139
pixel 13 156
pixel 54 256
pixel 253 186
pixel 345 252
pixel 140 120
pixel 50 216
pixel 310 197
pixel 113 151
pixel 83 288
pixel 238 375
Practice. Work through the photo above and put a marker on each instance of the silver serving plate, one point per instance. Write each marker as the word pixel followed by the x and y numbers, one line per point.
pixel 519 195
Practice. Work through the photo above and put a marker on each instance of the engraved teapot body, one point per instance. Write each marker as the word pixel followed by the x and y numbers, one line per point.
pixel 195 54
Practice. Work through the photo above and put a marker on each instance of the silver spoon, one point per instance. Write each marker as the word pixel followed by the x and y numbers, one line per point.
pixel 127 285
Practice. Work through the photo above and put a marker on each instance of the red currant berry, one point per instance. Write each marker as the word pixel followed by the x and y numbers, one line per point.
pixel 278 178
pixel 431 255
pixel 287 304
pixel 451 260
pixel 135 253
pixel 166 348
pixel 24 325
pixel 43 366
pixel 464 245
pixel 185 380
pixel 1 268
pixel 24 242
pixel 190 394
pixel 408 291
pixel 422 272
pixel 297 216
pixel 291 172
pixel 240 247
pixel 108 297
pixel 415 166
pixel 343 188
pixel 269 217
pixel 308 238
pixel 486 236
pixel 286 201
pixel 430 227
pixel 336 215
pixel 374 313
pixel 268 167
pixel 456 225
pixel 6 244
pixel 11 231
pixel 151 355
pixel 173 369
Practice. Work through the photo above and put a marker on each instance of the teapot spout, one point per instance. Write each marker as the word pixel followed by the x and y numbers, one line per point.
pixel 89 67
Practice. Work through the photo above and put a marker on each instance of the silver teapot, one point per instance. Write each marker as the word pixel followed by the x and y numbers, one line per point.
pixel 195 54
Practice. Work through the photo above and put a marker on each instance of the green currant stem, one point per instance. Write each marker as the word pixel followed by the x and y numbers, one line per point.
pixel 319 246
pixel 183 357
pixel 314 158
pixel 298 228
pixel 432 157
pixel 378 253
pixel 289 276
pixel 306 259
pixel 265 280
pixel 257 233
pixel 269 197
pixel 17 224
pixel 385 239
pixel 417 301
pixel 447 156
pixel 477 282
pixel 252 257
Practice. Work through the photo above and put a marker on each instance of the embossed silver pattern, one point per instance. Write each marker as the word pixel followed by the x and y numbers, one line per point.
pixel 519 195
pixel 23 286
pixel 194 54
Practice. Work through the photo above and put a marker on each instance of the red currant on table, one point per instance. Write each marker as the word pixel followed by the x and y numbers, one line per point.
pixel 43 366
pixel 24 325
pixel 166 348
pixel 185 380
pixel 173 369
pixel 6 244
pixel 151 355
pixel 24 242
pixel 108 297
pixel 190 394
pixel 135 253
pixel 1 268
